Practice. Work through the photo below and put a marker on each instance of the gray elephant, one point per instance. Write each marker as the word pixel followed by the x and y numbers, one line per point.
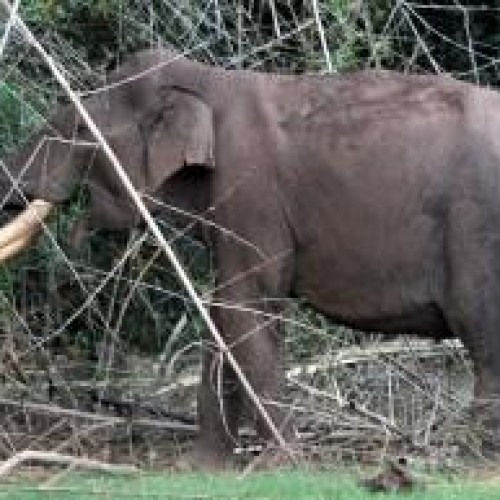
pixel 374 196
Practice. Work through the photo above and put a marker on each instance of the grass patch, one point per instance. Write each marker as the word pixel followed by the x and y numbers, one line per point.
pixel 277 485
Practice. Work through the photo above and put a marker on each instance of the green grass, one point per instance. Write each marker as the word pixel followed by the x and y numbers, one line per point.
pixel 277 485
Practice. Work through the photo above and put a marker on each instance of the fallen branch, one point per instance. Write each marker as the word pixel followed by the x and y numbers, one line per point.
pixel 56 458
pixel 96 417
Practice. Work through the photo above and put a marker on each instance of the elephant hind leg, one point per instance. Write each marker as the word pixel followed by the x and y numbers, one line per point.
pixel 484 348
pixel 473 314
pixel 471 298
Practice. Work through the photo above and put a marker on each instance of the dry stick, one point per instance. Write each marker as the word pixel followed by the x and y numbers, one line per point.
pixel 96 417
pixel 322 37
pixel 141 207
pixel 8 26
pixel 472 55
pixel 274 15
pixel 57 458
pixel 39 438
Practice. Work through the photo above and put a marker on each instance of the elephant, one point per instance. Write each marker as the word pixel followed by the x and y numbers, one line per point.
pixel 372 195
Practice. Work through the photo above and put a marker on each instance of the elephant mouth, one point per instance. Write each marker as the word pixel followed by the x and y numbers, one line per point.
pixel 18 234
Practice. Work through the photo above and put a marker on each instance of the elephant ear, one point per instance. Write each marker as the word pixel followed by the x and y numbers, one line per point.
pixel 179 134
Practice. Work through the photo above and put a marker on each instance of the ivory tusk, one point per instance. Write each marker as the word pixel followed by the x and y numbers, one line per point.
pixel 24 225
pixel 14 247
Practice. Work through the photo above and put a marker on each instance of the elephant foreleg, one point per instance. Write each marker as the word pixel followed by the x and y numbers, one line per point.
pixel 247 316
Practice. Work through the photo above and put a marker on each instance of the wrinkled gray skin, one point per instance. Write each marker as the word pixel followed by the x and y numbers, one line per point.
pixel 374 196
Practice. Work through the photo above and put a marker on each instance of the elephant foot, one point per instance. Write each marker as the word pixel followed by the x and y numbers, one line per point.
pixel 203 462
pixel 209 458
pixel 273 458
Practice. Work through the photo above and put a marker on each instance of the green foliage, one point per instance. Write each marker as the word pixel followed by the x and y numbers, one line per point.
pixel 346 36
pixel 17 119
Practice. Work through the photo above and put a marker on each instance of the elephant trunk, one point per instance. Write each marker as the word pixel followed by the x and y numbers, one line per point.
pixel 18 233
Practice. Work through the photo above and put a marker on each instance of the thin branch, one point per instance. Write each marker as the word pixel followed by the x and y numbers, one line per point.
pixel 470 45
pixel 56 458
pixel 96 417
pixel 322 37
pixel 274 15
pixel 420 40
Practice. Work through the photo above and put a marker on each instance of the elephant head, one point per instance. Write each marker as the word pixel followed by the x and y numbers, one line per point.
pixel 150 114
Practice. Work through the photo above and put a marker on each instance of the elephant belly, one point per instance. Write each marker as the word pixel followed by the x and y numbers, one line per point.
pixel 366 294
pixel 426 320
pixel 422 319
